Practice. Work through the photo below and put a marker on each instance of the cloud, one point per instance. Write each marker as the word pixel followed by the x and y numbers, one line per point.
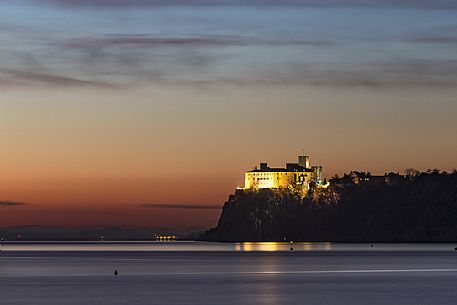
pixel 146 59
pixel 8 203
pixel 154 41
pixel 434 39
pixel 182 206
pixel 444 35
pixel 146 41
pixel 389 74
pixel 382 74
pixel 397 73
pixel 128 60
pixel 439 35
pixel 31 78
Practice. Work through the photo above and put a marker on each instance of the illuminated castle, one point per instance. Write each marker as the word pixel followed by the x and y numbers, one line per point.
pixel 294 174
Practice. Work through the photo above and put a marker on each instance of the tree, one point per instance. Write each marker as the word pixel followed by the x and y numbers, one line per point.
pixel 411 172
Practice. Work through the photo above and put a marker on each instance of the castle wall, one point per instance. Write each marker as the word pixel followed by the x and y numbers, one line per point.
pixel 261 180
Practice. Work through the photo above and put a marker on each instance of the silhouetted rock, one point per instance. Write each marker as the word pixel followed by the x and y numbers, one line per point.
pixel 420 209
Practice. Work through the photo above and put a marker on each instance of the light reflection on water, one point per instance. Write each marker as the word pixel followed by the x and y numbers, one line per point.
pixel 210 246
pixel 282 246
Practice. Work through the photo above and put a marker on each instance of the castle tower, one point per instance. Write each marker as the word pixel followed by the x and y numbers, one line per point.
pixel 304 161
pixel 317 173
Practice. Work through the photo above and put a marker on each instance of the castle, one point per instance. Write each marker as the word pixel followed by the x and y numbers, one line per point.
pixel 294 174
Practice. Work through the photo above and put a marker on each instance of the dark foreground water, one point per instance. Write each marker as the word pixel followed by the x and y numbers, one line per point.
pixel 249 273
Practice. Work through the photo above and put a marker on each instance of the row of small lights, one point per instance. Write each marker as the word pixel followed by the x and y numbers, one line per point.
pixel 102 238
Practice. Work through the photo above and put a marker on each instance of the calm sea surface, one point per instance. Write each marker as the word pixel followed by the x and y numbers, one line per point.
pixel 229 273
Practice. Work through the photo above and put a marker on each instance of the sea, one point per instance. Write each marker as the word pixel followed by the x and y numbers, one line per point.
pixel 175 272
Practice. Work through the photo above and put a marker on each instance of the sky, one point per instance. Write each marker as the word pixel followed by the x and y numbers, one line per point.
pixel 147 113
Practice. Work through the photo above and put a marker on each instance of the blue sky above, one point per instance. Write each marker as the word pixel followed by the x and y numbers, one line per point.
pixel 120 43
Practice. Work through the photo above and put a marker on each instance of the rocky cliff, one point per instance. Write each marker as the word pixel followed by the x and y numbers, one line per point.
pixel 421 209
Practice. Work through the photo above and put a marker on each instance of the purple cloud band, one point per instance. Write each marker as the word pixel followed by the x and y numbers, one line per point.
pixel 151 41
pixel 8 203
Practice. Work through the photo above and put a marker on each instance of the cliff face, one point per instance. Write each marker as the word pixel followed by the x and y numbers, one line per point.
pixel 423 209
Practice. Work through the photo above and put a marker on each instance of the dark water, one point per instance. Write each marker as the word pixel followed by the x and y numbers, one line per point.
pixel 201 273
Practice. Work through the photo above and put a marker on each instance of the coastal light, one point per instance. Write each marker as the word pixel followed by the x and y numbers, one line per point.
pixel 294 174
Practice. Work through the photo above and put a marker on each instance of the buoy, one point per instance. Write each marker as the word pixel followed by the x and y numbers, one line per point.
pixel 371 246
pixel 455 248
pixel 291 249
pixel 115 272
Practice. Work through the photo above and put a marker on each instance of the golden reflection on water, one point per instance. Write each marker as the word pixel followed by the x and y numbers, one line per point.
pixel 164 246
pixel 142 246
pixel 282 246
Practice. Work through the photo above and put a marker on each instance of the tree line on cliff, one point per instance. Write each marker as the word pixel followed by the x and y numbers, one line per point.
pixel 419 208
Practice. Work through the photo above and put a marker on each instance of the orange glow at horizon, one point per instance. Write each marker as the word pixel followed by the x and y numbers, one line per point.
pixel 91 157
